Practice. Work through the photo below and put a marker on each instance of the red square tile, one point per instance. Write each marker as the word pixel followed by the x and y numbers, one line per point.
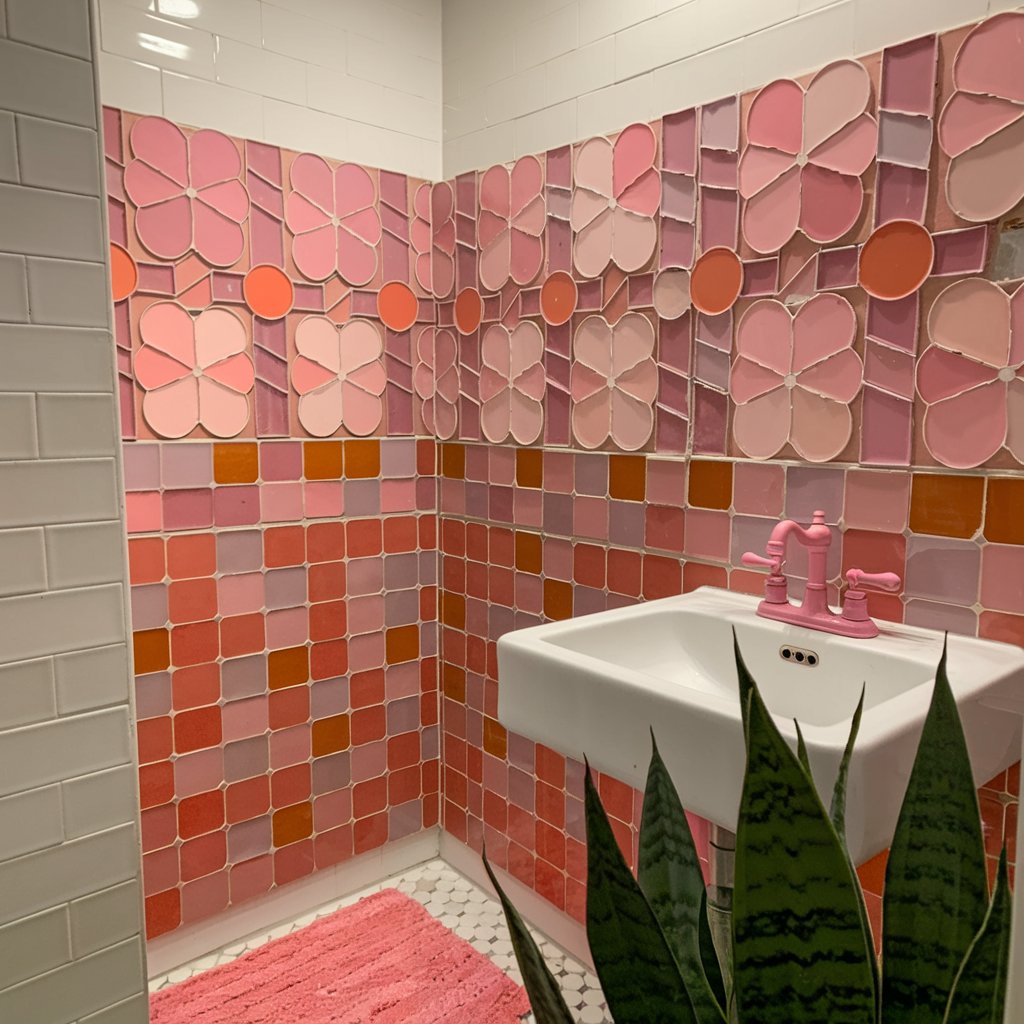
pixel 195 687
pixel 192 600
pixel 624 572
pixel 203 856
pixel 251 878
pixel 290 786
pixel 363 537
pixel 200 814
pixel 191 556
pixel 242 634
pixel 328 659
pixel 369 797
pixel 196 730
pixel 146 563
pixel 159 827
pixel 370 833
pixel 284 545
pixel 156 784
pixel 328 620
pixel 325 542
pixel 327 581
pixel 154 737
pixel 289 707
pixel 194 643
pixel 248 799
pixel 163 913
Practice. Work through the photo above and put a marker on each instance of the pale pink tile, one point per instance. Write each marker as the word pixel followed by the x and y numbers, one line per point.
pixel 558 558
pixel 529 593
pixel 198 772
pixel 239 594
pixel 1002 578
pixel 141 466
pixel 528 506
pixel 590 518
pixel 707 534
pixel 558 472
pixel 398 496
pixel 758 488
pixel 365 652
pixel 369 761
pixel 186 464
pixel 281 502
pixel 332 809
pixel 365 614
pixel 402 680
pixel 877 500
pixel 143 512
pixel 324 499
pixel 242 718
pixel 288 627
pixel 290 746
pixel 502 465
pixel 204 897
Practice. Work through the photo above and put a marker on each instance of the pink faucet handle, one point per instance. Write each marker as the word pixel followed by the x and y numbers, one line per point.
pixel 774 563
pixel 859 579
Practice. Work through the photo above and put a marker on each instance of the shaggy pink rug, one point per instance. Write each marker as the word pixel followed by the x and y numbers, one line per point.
pixel 384 960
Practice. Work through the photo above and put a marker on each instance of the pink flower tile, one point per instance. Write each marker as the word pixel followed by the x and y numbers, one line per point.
pixel 143 512
pixel 758 488
pixel 876 500
pixel 1002 578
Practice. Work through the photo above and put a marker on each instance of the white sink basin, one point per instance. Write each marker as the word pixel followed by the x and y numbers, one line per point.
pixel 596 684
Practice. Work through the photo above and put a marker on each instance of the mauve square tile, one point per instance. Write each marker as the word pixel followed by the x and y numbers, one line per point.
pixel 366 652
pixel 288 627
pixel 758 488
pixel 152 695
pixel 332 773
pixel 476 499
pixel 626 523
pixel 558 513
pixel 520 788
pixel 401 607
pixel 477 462
pixel 1002 578
pixel 428 567
pixel 558 559
pixel 666 482
pixel 290 746
pixel 405 819
pixel 528 506
pixel 186 464
pixel 280 460
pixel 141 466
pixel 453 497
pixel 237 505
pixel 935 615
pixel 809 488
pixel 500 505
pixel 590 517
pixel 149 606
pixel 501 622
pixel 248 839
pixel 401 571
pixel 332 810
pixel 403 715
pixel 246 759
pixel 430 743
pixel 559 472
pixel 495 775
pixel 586 600
pixel 428 639
pixel 328 697
pixel 403 680
pixel 502 465
pixel 198 772
pixel 750 533
pixel 188 509
pixel 426 494
pixel 239 551
pixel 244 677
pixel 362 497
pixel 529 593
pixel 877 500
pixel 245 718
pixel 369 761
pixel 707 534
pixel 943 570
pixel 398 457
pixel 591 474
pixel 285 588
pixel 365 575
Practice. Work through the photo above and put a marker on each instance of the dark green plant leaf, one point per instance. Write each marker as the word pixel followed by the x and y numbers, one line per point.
pixel 838 809
pixel 936 889
pixel 709 955
pixel 638 973
pixel 801 954
pixel 801 749
pixel 544 992
pixel 979 993
pixel 670 876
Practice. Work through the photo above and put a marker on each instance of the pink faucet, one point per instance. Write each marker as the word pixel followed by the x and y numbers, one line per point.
pixel 814 612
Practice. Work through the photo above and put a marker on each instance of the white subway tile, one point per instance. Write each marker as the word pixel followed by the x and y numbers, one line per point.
pixel 210 105
pixel 599 18
pixel 80 554
pixel 140 36
pixel 800 45
pixel 726 20
pixel 702 78
pixel 13 289
pixel 33 946
pixel 75 426
pixel 663 39
pixel 261 71
pixel 3 17
pixel 23 561
pixel 30 821
pixel 61 25
pixel 310 40
pixel 523 93
pixel 539 41
pixel 68 293
pixel 46 84
pixel 103 918
pixel 463 114
pixel 82 986
pixel 296 127
pixel 491 145
pixel 41 223
pixel 88 680
pixel 416 31
pixel 27 693
pixel 393 151
pixel 8 147
pixel 235 19
pixel 607 110
pixel 57 491
pixel 581 71
pixel 94 803
pixel 62 157
pixel 54 751
pixel 546 129
pixel 17 427
pixel 881 22
pixel 377 62
pixel 129 85
pixel 134 1010
pixel 56 359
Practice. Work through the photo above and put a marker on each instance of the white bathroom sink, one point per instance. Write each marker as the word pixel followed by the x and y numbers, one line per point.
pixel 596 684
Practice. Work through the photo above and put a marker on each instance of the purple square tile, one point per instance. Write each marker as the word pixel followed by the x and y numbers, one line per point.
pixel 141 466
pixel 186 464
pixel 285 588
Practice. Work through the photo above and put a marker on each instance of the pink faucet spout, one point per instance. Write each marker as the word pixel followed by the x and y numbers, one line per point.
pixel 817 538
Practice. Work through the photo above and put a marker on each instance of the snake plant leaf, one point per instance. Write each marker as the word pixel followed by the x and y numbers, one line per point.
pixel 670 876
pixel 638 973
pixel 801 749
pixel 838 809
pixel 801 952
pixel 979 993
pixel 936 888
pixel 544 992
pixel 709 955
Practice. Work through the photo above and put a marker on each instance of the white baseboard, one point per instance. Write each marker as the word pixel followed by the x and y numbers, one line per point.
pixel 186 944
pixel 559 927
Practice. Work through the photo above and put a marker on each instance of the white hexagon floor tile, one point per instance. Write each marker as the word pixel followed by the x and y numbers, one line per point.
pixel 460 906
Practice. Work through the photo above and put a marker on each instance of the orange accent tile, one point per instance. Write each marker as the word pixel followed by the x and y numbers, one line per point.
pixel 627 477
pixel 196 730
pixel 946 505
pixel 331 735
pixel 529 467
pixel 322 460
pixel 156 784
pixel 453 461
pixel 192 555
pixel 453 610
pixel 200 814
pixel 236 463
pixel 402 644
pixel 495 738
pixel 284 545
pixel 716 280
pixel 529 552
pixel 152 650
pixel 557 599
pixel 242 634
pixel 710 484
pixel 192 600
pixel 195 687
pixel 288 667
pixel 454 682
pixel 292 824
pixel 146 559
pixel 1004 519
pixel 362 458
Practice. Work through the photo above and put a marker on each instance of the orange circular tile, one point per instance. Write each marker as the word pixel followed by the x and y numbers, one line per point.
pixel 397 306
pixel 469 310
pixel 124 274
pixel 558 297
pixel 716 280
pixel 896 259
pixel 268 292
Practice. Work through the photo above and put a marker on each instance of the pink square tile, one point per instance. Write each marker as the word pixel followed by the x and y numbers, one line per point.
pixel 243 718
pixel 236 506
pixel 365 614
pixel 143 512
pixel 186 464
pixel 477 457
pixel 528 506
pixel 502 465
pixel 558 472
pixel 332 809
pixel 281 502
pixel 237 595
pixel 529 593
pixel 558 559
pixel 758 488
pixel 590 518
pixel 280 460
pixel 204 897
pixel 398 496
pixel 141 466
pixel 160 870
pixel 252 878
pixel 198 772
pixel 290 746
pixel 324 499
pixel 287 627
pixel 1002 578
pixel 402 680
pixel 188 509
pixel 877 500
pixel 666 482
pixel 369 761
pixel 366 652
pixel 453 497
pixel 707 534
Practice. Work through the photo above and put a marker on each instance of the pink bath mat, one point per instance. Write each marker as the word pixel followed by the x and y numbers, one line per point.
pixel 384 960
